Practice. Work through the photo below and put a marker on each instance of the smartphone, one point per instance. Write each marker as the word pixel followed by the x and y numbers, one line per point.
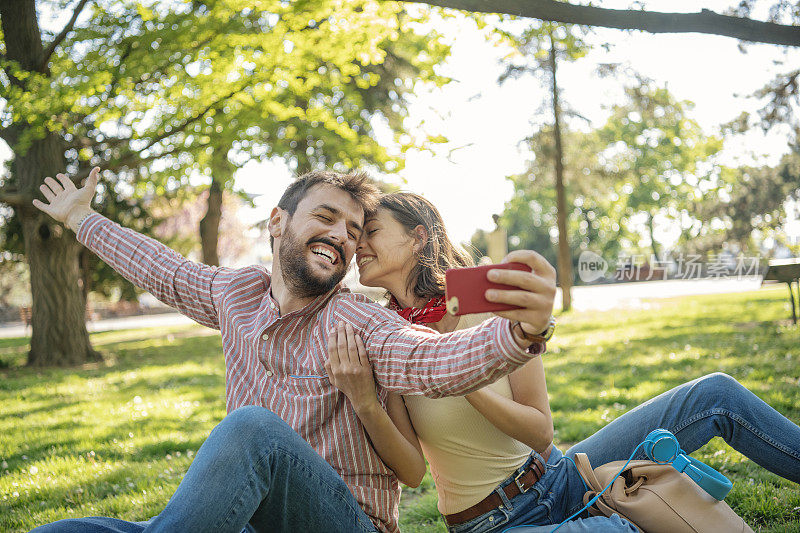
pixel 465 289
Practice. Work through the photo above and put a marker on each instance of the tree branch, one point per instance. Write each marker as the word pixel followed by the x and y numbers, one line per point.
pixel 9 135
pixel 704 21
pixel 191 120
pixel 131 158
pixel 162 67
pixel 14 198
pixel 61 36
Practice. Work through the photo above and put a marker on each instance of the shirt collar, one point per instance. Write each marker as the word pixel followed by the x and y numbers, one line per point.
pixel 312 307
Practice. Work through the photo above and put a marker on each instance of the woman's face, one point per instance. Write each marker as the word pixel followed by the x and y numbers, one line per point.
pixel 385 252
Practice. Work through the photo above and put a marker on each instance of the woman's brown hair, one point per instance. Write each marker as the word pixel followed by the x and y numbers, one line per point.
pixel 438 254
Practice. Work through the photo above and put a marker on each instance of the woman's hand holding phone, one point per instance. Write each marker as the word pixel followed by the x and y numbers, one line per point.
pixel 522 288
pixel 534 294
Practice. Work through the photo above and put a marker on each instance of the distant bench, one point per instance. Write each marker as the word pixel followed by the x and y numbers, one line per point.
pixel 25 315
pixel 786 271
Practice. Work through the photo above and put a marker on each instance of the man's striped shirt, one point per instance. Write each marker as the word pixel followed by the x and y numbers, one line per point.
pixel 277 361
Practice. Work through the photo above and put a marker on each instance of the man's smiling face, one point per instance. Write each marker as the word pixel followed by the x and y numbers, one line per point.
pixel 317 243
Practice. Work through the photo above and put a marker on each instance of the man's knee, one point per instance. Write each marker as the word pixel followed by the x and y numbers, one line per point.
pixel 253 423
pixel 716 384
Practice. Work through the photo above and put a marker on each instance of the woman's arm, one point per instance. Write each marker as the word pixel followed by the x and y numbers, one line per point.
pixel 527 416
pixel 391 433
pixel 394 439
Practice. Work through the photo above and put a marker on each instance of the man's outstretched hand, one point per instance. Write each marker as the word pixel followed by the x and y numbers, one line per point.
pixel 67 203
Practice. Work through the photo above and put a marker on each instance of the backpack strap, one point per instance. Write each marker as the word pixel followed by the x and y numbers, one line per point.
pixel 586 472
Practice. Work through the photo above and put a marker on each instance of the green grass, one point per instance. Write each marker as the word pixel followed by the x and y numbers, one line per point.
pixel 115 439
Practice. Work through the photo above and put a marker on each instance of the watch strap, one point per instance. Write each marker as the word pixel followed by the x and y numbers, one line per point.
pixel 516 327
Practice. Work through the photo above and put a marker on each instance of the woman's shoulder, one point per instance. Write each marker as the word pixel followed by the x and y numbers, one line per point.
pixel 470 321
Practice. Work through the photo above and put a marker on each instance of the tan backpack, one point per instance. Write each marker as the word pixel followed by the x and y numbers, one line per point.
pixel 656 498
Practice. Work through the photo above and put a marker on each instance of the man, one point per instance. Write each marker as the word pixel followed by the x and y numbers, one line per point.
pixel 296 458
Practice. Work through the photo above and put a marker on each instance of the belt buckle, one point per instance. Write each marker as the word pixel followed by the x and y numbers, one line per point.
pixel 522 489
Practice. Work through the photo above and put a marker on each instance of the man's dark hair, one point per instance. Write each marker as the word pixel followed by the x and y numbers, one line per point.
pixel 355 183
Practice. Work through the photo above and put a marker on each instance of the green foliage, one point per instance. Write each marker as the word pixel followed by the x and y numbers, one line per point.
pixel 530 214
pixel 743 202
pixel 659 156
pixel 116 439
pixel 649 159
pixel 151 91
pixel 156 87
pixel 780 97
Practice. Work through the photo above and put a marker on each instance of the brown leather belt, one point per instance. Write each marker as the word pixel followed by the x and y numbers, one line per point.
pixel 522 482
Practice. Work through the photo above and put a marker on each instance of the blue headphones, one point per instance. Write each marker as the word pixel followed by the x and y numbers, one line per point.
pixel 661 446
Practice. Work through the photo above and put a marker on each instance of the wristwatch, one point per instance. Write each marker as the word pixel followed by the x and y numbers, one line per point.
pixel 541 337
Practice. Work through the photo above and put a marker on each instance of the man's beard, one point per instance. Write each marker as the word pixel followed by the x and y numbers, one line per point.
pixel 296 271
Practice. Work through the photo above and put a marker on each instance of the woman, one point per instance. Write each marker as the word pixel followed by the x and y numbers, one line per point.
pixel 490 452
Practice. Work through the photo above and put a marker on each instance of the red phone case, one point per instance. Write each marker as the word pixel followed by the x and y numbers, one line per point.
pixel 465 289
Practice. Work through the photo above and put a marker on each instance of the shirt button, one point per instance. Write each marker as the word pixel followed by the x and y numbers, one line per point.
pixel 269 373
pixel 265 336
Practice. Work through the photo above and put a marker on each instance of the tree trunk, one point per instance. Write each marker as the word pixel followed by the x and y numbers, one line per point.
pixel 651 228
pixel 209 224
pixel 59 335
pixel 85 263
pixel 564 254
pixel 221 173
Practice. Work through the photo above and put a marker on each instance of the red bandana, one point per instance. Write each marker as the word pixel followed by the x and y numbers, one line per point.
pixel 433 311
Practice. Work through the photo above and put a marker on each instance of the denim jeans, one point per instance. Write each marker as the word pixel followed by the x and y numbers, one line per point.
pixel 711 406
pixel 253 473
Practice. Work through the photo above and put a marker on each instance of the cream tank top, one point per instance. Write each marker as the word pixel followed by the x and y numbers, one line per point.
pixel 468 456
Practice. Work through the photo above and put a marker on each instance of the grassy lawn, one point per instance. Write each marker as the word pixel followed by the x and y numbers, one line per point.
pixel 115 439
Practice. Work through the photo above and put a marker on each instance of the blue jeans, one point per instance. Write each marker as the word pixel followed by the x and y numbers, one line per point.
pixel 253 473
pixel 711 406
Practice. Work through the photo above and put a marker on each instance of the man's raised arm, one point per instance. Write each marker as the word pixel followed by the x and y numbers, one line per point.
pixel 192 288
